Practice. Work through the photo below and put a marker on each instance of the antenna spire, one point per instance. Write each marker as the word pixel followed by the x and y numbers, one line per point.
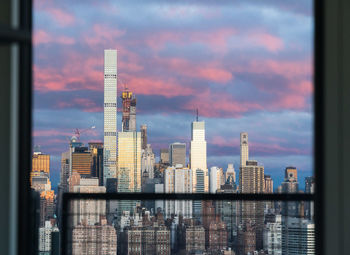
pixel 197 114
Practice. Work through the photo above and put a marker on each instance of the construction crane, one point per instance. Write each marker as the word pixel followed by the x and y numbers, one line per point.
pixel 78 131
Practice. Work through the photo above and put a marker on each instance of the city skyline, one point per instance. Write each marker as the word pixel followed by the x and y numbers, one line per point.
pixel 267 92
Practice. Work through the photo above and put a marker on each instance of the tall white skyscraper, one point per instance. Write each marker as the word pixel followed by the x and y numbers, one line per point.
pixel 110 115
pixel 244 149
pixel 198 153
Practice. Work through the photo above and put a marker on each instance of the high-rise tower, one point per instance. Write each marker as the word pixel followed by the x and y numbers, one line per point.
pixel 110 115
pixel 129 111
pixel 144 136
pixel 198 154
pixel 244 149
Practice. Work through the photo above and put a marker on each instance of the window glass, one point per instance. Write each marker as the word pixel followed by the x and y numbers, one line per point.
pixel 172 97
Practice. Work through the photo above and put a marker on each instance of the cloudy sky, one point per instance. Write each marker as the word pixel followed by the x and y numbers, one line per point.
pixel 246 65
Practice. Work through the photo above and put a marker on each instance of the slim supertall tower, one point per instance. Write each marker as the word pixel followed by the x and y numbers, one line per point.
pixel 198 153
pixel 110 115
pixel 244 149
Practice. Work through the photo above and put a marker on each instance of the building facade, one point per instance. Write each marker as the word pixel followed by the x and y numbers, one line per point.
pixel 147 161
pixel 198 153
pixel 94 239
pixel 110 115
pixel 244 148
pixel 177 154
pixel 298 236
pixel 178 180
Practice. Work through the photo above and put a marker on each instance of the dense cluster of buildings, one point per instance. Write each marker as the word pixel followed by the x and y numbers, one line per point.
pixel 125 162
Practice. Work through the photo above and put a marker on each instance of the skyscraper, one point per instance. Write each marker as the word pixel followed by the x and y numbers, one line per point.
pixel 129 111
pixel 164 156
pixel 230 176
pixel 177 154
pixel 129 162
pixel 96 150
pixel 251 180
pixel 298 236
pixel 198 153
pixel 40 163
pixel 244 148
pixel 144 136
pixel 215 182
pixel 147 160
pixel 268 184
pixel 309 189
pixel 290 185
pixel 110 115
pixel 178 180
pixel 273 236
pixel 82 161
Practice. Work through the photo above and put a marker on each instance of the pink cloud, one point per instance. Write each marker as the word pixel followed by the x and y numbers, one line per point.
pixel 102 35
pixel 210 71
pixel 61 17
pixel 212 104
pixel 153 86
pixel 217 40
pixel 274 148
pixel 42 37
pixel 270 42
pixel 51 132
pixel 285 68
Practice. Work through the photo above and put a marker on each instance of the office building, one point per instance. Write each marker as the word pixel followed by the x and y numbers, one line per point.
pixel 82 161
pixel 200 188
pixel 143 136
pixel 290 185
pixel 273 236
pixel 251 180
pixel 178 180
pixel 309 189
pixel 268 188
pixel 129 167
pixel 298 236
pixel 177 154
pixel 164 156
pixel 41 181
pixel 147 161
pixel 47 206
pixel 268 184
pixel 198 152
pixel 96 150
pixel 110 115
pixel 129 162
pixel 128 111
pixel 244 148
pixel 45 234
pixel 228 211
pixel 40 163
pixel 230 175
pixel 215 179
